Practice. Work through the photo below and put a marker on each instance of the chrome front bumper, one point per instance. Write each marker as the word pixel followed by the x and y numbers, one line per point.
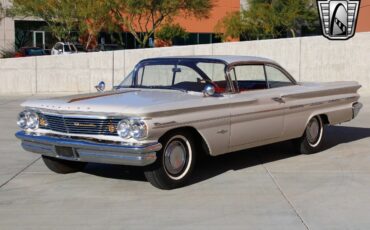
pixel 89 151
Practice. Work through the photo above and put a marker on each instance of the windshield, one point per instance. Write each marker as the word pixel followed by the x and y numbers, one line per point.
pixel 183 75
pixel 34 52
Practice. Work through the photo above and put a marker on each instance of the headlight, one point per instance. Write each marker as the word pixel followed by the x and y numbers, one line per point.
pixel 28 120
pixel 132 128
pixel 123 129
pixel 138 129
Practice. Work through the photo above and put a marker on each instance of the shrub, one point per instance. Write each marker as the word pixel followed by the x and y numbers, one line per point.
pixel 168 32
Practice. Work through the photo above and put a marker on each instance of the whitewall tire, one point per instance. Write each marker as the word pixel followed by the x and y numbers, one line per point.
pixel 175 162
pixel 312 139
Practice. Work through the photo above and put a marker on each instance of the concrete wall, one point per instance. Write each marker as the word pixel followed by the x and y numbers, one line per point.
pixel 307 59
pixel 7 33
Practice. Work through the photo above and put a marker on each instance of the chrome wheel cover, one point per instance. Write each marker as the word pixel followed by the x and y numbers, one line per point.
pixel 314 132
pixel 177 157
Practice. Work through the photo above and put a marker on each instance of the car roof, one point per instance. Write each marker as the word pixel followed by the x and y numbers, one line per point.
pixel 65 43
pixel 227 59
pixel 31 48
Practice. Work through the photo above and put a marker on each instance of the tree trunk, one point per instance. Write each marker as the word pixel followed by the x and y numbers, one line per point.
pixel 145 41
pixel 293 33
pixel 89 39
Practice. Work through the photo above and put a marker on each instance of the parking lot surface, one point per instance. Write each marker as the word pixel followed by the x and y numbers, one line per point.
pixel 271 187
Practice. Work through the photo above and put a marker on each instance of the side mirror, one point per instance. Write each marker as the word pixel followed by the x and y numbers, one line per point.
pixel 100 87
pixel 209 90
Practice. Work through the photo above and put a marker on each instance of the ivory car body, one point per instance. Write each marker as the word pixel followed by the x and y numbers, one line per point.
pixel 170 110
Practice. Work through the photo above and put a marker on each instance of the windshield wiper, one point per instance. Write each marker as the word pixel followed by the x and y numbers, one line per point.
pixel 121 87
pixel 163 87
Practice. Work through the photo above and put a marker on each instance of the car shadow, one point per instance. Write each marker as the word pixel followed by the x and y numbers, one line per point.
pixel 119 172
pixel 213 166
pixel 209 167
pixel 335 135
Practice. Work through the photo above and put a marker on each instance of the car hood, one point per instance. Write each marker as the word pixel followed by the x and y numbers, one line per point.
pixel 125 101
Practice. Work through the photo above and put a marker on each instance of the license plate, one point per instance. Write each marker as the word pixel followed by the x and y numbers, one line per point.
pixel 65 151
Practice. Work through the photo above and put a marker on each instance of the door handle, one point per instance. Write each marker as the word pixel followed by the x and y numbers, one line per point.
pixel 278 99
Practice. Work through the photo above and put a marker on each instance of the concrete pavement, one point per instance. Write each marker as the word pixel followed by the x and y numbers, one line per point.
pixel 265 188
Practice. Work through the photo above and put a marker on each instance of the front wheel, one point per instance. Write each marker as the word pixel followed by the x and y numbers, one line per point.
pixel 175 161
pixel 312 139
pixel 63 166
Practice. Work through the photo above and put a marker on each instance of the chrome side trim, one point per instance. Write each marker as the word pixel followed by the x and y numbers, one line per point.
pixel 198 109
pixel 179 124
pixel 90 151
pixel 157 124
pixel 323 102
pixel 299 106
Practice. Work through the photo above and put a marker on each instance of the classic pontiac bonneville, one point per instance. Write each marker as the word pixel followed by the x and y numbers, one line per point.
pixel 170 110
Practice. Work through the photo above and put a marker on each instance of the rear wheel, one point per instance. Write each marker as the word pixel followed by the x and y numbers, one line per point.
pixel 312 139
pixel 63 166
pixel 175 161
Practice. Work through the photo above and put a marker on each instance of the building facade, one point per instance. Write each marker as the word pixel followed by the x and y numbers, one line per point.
pixel 363 24
pixel 18 32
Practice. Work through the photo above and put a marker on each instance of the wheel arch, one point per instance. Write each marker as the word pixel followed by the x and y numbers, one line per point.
pixel 199 138
pixel 323 116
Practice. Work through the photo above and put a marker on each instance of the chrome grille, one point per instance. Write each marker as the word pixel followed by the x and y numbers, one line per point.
pixel 81 125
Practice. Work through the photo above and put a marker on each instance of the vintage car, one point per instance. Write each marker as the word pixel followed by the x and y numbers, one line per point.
pixel 170 110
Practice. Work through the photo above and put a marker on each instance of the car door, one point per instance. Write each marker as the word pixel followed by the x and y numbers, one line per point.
pixel 257 112
pixel 283 84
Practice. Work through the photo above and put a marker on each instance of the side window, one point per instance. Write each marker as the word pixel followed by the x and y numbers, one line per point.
pixel 185 75
pixel 250 77
pixel 276 78
pixel 215 71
